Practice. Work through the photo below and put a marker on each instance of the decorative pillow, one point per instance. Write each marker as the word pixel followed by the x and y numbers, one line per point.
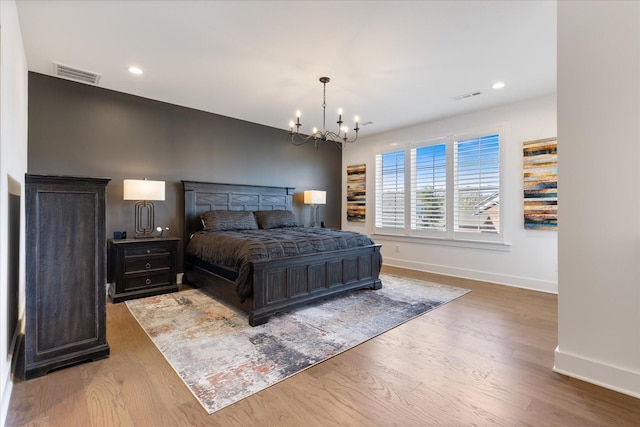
pixel 276 219
pixel 228 220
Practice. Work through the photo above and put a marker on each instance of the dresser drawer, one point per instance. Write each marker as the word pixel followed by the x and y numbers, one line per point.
pixel 146 281
pixel 147 262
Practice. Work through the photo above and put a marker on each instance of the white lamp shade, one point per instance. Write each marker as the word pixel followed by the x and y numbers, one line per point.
pixel 315 197
pixel 143 189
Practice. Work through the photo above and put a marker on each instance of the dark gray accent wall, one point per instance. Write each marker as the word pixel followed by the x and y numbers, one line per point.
pixel 78 129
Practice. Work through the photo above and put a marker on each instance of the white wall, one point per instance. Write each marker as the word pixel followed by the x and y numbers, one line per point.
pixel 13 165
pixel 599 187
pixel 530 260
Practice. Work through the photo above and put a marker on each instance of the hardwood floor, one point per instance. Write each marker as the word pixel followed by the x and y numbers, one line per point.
pixel 484 359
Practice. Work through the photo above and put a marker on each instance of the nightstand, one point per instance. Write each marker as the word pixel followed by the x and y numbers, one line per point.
pixel 141 267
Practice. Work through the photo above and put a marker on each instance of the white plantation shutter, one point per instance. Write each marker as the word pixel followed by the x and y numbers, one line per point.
pixel 451 192
pixel 476 166
pixel 390 190
pixel 429 188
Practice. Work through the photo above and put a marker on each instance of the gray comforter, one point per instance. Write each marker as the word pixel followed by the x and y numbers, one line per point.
pixel 237 249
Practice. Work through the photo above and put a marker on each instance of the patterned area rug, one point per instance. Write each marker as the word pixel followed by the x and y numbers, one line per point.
pixel 223 360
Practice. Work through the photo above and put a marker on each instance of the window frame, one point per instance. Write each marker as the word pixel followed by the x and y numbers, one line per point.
pixel 449 235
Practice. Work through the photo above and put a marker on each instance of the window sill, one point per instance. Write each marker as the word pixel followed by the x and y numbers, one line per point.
pixel 472 244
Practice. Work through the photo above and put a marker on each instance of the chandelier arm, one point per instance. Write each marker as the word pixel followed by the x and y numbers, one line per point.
pixel 350 140
pixel 333 136
pixel 339 140
pixel 300 140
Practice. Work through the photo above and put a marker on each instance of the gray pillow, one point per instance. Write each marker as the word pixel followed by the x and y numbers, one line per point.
pixel 228 220
pixel 276 219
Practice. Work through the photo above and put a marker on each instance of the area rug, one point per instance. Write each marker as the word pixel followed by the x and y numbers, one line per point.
pixel 223 360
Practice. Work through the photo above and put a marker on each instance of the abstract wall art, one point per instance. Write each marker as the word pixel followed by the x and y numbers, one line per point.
pixel 356 193
pixel 540 166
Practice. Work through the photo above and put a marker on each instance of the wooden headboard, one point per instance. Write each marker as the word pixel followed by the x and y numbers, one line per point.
pixel 200 197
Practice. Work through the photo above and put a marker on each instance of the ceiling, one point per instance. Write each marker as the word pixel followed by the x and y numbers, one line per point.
pixel 393 63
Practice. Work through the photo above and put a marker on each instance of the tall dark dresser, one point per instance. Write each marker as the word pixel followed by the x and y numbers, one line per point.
pixel 65 257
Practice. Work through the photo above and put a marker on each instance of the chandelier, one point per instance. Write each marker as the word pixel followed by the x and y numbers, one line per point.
pixel 318 137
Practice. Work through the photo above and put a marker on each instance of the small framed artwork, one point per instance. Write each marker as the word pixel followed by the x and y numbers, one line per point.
pixel 356 193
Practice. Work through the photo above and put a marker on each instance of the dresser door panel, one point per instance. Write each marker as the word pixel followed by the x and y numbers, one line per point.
pixel 65 319
pixel 66 287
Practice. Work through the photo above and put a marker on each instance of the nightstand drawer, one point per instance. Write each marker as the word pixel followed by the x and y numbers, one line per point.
pixel 146 281
pixel 143 250
pixel 147 262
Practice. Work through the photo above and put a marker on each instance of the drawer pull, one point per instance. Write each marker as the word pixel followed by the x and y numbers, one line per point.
pixel 147 282
pixel 147 265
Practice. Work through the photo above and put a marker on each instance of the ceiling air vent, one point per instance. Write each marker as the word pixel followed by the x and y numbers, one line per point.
pixel 467 95
pixel 71 73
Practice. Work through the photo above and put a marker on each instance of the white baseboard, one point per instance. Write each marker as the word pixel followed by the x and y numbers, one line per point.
pixel 7 388
pixel 6 398
pixel 485 276
pixel 603 375
pixel 14 350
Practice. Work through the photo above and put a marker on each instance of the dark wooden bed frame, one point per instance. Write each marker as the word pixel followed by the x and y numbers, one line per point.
pixel 279 284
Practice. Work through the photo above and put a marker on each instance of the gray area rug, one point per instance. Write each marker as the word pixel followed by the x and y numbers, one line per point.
pixel 223 360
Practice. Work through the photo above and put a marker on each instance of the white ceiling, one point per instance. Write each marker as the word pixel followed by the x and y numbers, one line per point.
pixel 394 63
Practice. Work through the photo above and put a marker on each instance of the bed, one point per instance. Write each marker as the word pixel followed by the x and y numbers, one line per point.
pixel 272 284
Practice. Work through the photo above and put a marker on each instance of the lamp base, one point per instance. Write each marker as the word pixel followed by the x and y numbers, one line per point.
pixel 145 213
pixel 314 215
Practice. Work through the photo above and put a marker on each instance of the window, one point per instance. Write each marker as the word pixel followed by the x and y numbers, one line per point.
pixel 452 191
pixel 476 165
pixel 429 188
pixel 390 190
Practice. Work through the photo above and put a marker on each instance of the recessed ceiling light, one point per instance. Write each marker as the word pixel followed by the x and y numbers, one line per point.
pixel 135 70
pixel 498 85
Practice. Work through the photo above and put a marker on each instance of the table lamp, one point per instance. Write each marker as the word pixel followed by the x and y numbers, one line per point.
pixel 144 191
pixel 315 198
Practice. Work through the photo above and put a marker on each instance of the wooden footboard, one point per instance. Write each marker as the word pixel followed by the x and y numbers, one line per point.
pixel 283 284
pixel 280 285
